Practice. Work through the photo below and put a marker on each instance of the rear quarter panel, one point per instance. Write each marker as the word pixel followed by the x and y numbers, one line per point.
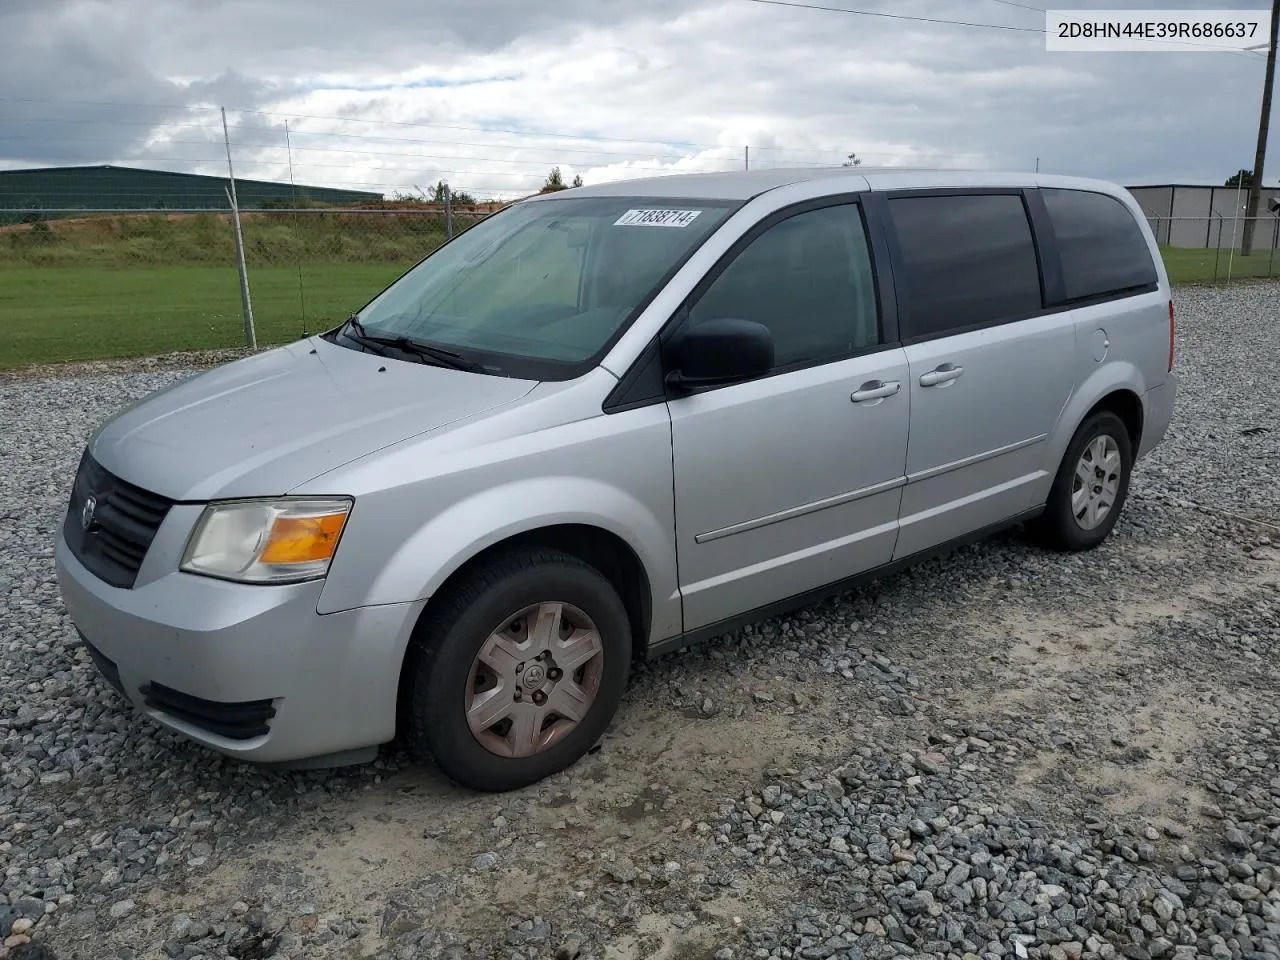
pixel 1121 344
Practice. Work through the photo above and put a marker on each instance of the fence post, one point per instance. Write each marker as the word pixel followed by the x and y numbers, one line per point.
pixel 246 305
pixel 1217 251
pixel 1235 225
pixel 448 212
pixel 1275 235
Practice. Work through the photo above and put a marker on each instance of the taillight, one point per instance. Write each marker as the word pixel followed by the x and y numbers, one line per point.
pixel 1171 335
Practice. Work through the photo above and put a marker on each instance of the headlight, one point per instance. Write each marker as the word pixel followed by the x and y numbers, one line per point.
pixel 266 541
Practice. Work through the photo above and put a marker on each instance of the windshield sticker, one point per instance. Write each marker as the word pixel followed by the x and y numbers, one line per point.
pixel 656 218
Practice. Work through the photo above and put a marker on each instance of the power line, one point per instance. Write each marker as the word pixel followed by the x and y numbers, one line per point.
pixel 968 23
pixel 1024 6
pixel 898 16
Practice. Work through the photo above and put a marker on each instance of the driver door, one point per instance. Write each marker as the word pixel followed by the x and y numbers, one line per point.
pixel 793 480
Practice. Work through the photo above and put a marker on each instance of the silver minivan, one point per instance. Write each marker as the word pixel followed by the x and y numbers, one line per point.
pixel 603 424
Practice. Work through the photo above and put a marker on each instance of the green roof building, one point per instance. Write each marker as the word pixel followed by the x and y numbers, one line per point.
pixel 108 187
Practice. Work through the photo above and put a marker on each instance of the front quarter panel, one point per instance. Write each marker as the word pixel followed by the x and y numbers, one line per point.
pixel 424 508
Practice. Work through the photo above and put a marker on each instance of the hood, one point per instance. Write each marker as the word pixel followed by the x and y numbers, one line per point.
pixel 262 426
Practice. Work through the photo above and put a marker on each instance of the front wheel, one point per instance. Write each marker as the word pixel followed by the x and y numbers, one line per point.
pixel 517 671
pixel 1090 488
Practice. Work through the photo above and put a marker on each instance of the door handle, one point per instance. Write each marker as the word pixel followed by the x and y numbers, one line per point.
pixel 940 375
pixel 875 390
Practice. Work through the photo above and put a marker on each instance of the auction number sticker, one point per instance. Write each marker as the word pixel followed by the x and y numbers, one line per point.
pixel 657 218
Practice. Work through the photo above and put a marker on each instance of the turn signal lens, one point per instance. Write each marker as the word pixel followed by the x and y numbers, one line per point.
pixel 303 539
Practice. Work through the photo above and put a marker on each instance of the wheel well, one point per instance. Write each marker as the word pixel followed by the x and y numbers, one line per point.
pixel 1126 405
pixel 607 552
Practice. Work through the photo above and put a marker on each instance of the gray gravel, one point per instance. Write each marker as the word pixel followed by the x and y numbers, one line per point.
pixel 1002 753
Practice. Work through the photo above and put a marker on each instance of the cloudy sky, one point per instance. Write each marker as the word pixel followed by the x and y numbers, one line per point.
pixel 489 94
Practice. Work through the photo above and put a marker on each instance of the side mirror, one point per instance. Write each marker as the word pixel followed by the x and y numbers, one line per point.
pixel 718 352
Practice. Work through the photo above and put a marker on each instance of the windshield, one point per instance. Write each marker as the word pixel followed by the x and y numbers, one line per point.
pixel 541 288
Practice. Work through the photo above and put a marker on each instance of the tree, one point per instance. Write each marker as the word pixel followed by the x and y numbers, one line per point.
pixel 853 161
pixel 1241 178
pixel 459 198
pixel 577 180
pixel 555 181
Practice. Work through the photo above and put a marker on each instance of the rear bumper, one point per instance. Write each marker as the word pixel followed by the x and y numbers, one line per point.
pixel 1157 412
pixel 251 671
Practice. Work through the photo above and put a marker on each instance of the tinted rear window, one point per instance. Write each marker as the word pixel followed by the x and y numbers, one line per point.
pixel 968 261
pixel 1102 247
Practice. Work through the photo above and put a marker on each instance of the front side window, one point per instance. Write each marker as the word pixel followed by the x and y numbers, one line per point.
pixel 1102 247
pixel 543 287
pixel 808 279
pixel 967 261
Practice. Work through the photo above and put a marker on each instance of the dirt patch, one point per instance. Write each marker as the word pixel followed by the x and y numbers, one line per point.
pixel 659 774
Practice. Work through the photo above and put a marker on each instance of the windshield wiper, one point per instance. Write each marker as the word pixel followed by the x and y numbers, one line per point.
pixel 423 351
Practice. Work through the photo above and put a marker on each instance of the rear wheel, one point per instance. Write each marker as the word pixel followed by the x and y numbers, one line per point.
pixel 517 671
pixel 1090 488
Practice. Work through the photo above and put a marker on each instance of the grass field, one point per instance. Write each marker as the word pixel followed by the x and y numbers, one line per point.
pixel 142 285
pixel 138 285
pixel 50 315
pixel 1197 266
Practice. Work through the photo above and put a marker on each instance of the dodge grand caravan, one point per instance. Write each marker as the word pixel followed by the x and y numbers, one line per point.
pixel 601 425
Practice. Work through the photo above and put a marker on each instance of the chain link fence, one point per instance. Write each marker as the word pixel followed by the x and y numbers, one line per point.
pixel 85 283
pixel 1212 249
pixel 91 283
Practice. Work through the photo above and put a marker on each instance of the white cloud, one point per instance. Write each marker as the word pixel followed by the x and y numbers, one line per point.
pixel 473 91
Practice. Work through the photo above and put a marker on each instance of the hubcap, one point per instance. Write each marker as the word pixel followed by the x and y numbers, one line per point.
pixel 534 679
pixel 1096 484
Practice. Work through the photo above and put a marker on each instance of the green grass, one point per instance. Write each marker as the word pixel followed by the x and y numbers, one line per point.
pixel 1197 266
pixel 50 314
pixel 125 286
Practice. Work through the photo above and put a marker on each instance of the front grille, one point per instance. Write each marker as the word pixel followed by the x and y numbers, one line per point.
pixel 111 540
pixel 235 721
pixel 107 667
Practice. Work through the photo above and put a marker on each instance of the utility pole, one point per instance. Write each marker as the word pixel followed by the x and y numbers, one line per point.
pixel 1264 124
pixel 746 158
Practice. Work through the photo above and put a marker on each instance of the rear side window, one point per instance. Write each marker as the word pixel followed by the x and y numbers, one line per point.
pixel 1102 247
pixel 967 261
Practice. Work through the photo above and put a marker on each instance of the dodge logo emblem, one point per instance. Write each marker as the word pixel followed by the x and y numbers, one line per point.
pixel 86 512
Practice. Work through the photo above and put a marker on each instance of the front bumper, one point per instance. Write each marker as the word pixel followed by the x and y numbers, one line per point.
pixel 251 671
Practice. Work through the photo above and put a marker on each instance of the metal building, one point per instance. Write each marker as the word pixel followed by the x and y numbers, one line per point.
pixel 1204 215
pixel 108 187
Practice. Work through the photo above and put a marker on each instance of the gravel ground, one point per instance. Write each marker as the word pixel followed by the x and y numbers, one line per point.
pixel 1004 753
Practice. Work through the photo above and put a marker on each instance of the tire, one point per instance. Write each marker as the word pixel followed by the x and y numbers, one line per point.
pixel 469 654
pixel 1060 527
